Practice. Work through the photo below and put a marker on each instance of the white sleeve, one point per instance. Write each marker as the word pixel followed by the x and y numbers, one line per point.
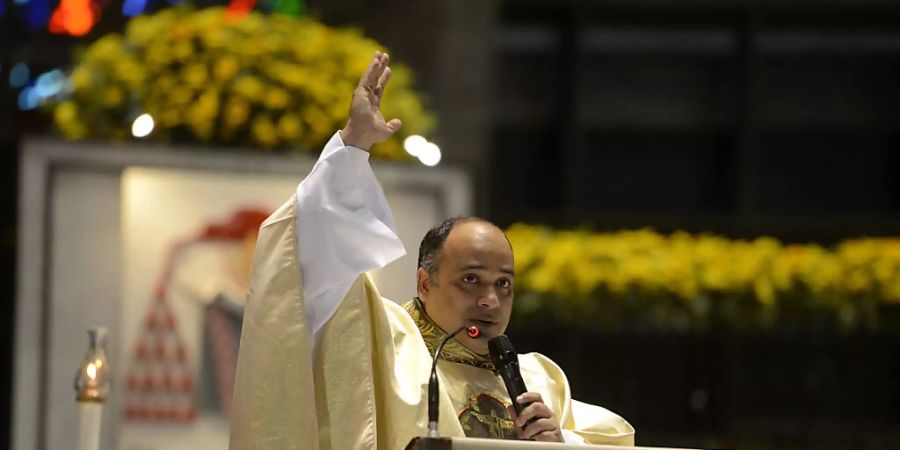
pixel 344 228
pixel 571 437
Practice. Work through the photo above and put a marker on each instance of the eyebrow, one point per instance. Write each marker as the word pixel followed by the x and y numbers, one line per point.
pixel 476 266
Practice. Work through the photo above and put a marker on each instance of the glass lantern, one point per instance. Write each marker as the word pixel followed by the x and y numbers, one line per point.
pixel 92 382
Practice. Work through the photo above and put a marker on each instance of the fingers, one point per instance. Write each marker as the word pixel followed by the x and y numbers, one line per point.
pixel 545 427
pixel 373 73
pixel 529 397
pixel 537 409
pixel 550 436
pixel 394 125
pixel 370 76
pixel 369 73
pixel 382 82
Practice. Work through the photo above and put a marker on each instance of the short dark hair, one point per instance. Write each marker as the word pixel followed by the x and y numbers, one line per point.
pixel 434 239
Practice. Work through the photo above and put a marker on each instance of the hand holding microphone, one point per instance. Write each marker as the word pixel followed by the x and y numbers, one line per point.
pixel 534 419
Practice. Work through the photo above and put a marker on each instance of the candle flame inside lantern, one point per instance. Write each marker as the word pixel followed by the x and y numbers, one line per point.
pixel 92 382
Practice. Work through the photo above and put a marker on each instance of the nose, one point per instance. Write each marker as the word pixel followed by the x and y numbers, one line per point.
pixel 490 299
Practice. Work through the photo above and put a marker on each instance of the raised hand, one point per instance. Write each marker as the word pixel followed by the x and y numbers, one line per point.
pixel 366 126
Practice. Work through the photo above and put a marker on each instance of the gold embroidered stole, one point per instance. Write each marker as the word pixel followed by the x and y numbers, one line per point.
pixel 479 390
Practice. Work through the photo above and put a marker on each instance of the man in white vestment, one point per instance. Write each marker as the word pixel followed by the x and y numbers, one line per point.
pixel 326 363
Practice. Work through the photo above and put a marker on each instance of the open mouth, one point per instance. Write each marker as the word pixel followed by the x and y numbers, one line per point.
pixel 483 322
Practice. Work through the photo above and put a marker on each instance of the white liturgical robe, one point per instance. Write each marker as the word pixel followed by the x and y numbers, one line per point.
pixel 326 363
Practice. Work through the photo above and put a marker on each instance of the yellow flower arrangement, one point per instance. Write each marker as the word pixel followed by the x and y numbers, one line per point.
pixel 269 81
pixel 691 281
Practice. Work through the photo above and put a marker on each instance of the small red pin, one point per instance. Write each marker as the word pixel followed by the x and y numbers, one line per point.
pixel 473 331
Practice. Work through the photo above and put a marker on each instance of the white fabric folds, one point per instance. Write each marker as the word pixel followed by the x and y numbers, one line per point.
pixel 345 227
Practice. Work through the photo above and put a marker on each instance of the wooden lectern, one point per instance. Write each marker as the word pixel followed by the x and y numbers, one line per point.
pixel 424 443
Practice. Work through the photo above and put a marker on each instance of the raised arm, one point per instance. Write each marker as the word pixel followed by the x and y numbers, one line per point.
pixel 344 224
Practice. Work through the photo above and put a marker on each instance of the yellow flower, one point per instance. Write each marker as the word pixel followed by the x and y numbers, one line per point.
pixel 113 96
pixel 74 130
pixel 276 98
pixel 892 291
pixel 289 127
pixel 129 72
pixel 264 132
pixel 81 78
pixel 107 48
pixel 66 113
pixel 203 113
pixel 252 24
pixel 215 38
pixel 194 74
pixel 237 110
pixel 203 128
pixel 169 118
pixel 765 293
pixel 226 67
pixel 275 64
pixel 158 54
pixel 575 264
pixel 249 86
pixel 166 82
pixel 181 96
pixel 182 50
pixel 320 124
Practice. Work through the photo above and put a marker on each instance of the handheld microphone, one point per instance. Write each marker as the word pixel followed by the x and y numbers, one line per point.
pixel 506 361
pixel 433 388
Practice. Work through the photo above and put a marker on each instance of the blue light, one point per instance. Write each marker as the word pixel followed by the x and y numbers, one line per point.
pixel 37 13
pixel 19 75
pixel 21 2
pixel 131 8
pixel 50 83
pixel 28 99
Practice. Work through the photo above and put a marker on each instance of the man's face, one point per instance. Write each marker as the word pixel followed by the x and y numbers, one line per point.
pixel 474 286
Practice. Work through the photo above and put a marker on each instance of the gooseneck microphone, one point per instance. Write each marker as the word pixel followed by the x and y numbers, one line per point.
pixel 433 388
pixel 506 361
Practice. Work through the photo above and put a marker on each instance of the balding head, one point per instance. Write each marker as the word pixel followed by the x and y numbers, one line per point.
pixel 433 242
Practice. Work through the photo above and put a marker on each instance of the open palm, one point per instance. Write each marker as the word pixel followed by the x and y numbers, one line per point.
pixel 366 125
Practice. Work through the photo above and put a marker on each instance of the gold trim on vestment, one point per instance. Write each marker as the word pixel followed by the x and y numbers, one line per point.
pixel 453 351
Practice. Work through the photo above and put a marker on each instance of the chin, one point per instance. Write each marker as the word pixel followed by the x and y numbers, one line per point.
pixel 486 335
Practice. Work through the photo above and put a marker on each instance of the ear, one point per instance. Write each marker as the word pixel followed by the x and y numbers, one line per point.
pixel 423 283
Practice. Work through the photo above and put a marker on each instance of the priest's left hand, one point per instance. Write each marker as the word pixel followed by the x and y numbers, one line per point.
pixel 545 428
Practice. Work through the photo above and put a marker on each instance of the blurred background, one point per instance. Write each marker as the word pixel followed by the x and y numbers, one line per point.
pixel 703 196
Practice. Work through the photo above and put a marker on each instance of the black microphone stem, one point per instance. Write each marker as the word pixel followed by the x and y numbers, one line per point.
pixel 433 390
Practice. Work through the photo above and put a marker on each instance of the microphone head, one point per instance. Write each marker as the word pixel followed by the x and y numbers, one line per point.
pixel 473 332
pixel 502 351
